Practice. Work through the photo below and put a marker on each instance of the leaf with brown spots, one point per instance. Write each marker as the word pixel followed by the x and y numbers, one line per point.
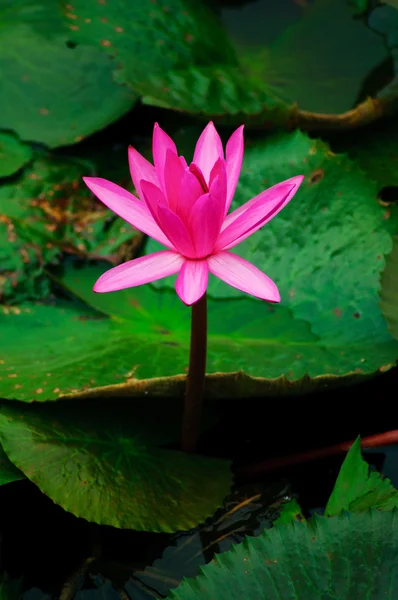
pixel 46 211
pixel 54 92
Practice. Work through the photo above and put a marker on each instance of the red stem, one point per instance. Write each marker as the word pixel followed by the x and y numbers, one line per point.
pixel 281 462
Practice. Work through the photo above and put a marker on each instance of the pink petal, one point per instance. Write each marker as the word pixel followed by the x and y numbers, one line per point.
pixel 127 206
pixel 234 157
pixel 176 231
pixel 205 223
pixel 190 191
pixel 140 168
pixel 192 281
pixel 153 196
pixel 208 149
pixel 247 219
pixel 161 142
pixel 218 181
pixel 139 271
pixel 194 169
pixel 173 175
pixel 241 274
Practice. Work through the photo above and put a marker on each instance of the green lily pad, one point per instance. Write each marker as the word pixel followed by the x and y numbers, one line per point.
pixel 141 335
pixel 8 471
pixel 272 78
pixel 347 557
pixel 358 489
pixel 53 92
pixel 150 37
pixel 47 210
pixel 13 154
pixel 320 61
pixel 389 296
pixel 106 466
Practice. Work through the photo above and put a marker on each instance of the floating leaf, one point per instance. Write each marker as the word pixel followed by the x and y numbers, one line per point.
pixel 106 468
pixel 49 210
pixel 150 37
pixel 53 92
pixel 350 557
pixel 8 471
pixel 389 296
pixel 143 334
pixel 320 61
pixel 358 489
pixel 272 78
pixel 13 154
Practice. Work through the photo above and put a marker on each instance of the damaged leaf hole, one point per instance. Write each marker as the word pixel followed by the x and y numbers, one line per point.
pixel 388 195
pixel 316 176
pixel 70 44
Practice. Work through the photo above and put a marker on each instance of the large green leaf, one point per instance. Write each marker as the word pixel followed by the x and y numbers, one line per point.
pixel 13 154
pixel 143 334
pixel 357 488
pixel 8 471
pixel 49 210
pixel 320 61
pixel 106 467
pixel 351 557
pixel 150 37
pixel 52 91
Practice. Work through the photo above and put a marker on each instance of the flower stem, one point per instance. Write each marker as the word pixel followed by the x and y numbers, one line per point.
pixel 196 377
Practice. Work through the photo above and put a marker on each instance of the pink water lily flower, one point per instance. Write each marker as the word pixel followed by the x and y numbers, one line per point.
pixel 185 208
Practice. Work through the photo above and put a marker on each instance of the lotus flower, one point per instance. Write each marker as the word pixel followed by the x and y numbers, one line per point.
pixel 185 208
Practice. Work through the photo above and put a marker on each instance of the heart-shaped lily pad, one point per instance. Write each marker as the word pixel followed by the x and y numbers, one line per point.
pixel 349 557
pixel 106 465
